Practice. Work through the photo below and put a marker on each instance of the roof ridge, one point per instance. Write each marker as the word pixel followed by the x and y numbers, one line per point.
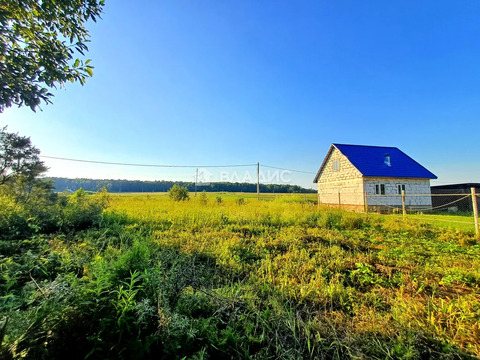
pixel 375 146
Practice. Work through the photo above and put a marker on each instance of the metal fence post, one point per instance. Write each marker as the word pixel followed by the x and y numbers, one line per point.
pixel 403 203
pixel 339 201
pixel 475 213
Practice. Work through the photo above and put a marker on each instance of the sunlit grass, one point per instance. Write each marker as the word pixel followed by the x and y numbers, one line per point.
pixel 381 275
pixel 234 277
pixel 463 222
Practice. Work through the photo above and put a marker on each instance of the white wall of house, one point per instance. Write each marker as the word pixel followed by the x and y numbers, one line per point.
pixel 413 188
pixel 341 178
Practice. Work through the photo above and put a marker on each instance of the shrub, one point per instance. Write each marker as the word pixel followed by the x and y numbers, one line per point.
pixel 41 211
pixel 82 211
pixel 12 217
pixel 25 213
pixel 203 198
pixel 219 199
pixel 178 193
pixel 240 201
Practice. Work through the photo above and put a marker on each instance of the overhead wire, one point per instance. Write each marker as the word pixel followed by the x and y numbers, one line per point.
pixel 145 165
pixel 292 170
pixel 170 166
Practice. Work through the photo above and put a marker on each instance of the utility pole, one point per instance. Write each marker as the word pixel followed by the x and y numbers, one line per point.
pixel 196 179
pixel 404 212
pixel 258 181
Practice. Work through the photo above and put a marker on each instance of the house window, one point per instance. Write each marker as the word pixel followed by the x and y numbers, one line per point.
pixel 400 188
pixel 380 189
pixel 336 165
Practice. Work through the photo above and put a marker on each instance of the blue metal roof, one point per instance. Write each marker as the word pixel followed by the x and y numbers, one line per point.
pixel 372 161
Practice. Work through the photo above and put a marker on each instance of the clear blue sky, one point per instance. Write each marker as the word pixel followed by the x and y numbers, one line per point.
pixel 222 82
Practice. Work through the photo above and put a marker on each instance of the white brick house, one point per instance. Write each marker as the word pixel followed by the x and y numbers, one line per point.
pixel 353 174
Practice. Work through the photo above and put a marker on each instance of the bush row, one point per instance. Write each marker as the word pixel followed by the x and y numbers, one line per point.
pixel 45 212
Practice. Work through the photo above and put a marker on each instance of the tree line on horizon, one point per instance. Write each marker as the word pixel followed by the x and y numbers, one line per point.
pixel 119 186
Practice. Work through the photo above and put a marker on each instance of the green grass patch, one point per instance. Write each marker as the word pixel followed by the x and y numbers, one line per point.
pixel 229 279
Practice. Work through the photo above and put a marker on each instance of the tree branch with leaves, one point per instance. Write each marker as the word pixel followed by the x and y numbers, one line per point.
pixel 39 44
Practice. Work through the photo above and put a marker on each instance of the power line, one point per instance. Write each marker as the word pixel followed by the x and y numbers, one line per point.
pixel 299 171
pixel 170 166
pixel 145 165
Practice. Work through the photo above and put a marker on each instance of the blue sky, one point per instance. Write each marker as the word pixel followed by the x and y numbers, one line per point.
pixel 233 82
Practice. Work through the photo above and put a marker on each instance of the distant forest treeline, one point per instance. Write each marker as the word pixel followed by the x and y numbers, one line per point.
pixel 119 186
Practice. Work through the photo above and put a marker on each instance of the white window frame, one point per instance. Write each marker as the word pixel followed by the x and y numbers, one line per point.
pixel 400 187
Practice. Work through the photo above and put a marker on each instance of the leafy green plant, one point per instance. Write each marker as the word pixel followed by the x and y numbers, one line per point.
pixel 126 301
pixel 363 274
pixel 178 193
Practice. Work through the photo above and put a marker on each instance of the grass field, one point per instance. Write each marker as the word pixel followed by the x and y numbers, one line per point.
pixel 241 278
pixel 459 222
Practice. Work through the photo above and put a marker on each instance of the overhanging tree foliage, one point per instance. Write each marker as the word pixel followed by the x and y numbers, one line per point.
pixel 39 40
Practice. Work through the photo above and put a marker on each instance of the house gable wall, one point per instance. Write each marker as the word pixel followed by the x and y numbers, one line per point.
pixel 346 172
pixel 346 181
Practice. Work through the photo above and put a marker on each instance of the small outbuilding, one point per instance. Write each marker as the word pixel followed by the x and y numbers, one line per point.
pixel 353 175
pixel 454 197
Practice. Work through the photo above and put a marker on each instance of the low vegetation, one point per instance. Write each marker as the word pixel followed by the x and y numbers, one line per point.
pixel 210 279
pixel 178 193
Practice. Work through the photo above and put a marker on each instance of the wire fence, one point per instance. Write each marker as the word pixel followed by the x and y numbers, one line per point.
pixel 459 208
pixel 421 203
pixel 293 197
